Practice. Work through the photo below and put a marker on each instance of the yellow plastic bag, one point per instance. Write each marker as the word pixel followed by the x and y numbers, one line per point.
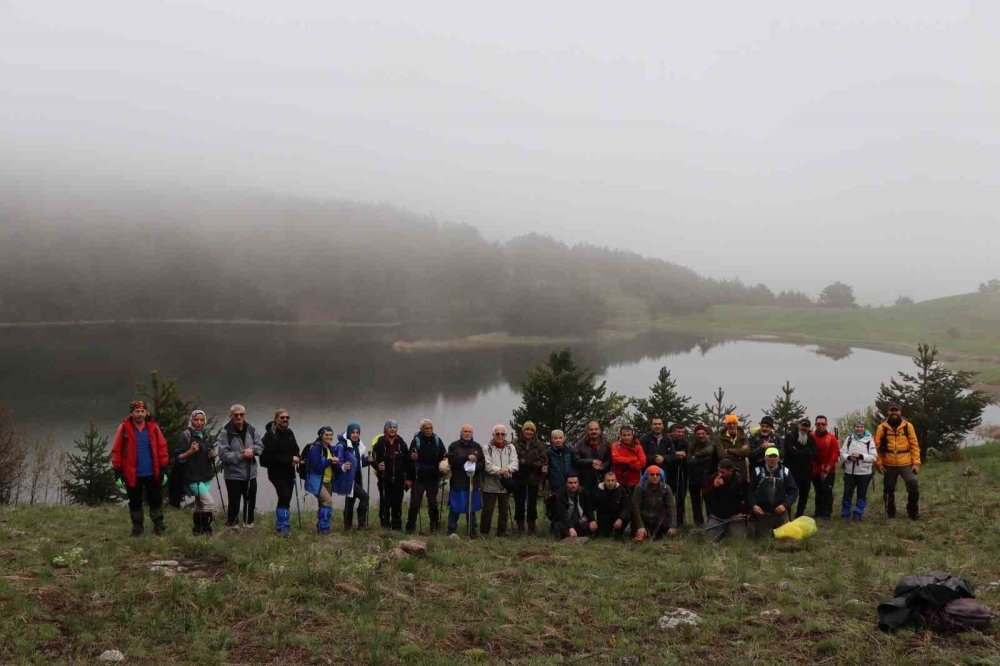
pixel 801 528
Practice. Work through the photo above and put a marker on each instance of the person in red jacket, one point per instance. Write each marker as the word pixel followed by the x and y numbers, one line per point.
pixel 628 459
pixel 139 458
pixel 824 467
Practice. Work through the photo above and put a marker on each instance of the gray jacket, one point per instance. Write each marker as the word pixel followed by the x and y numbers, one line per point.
pixel 497 459
pixel 235 466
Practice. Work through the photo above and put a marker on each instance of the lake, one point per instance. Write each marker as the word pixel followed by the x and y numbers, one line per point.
pixel 57 379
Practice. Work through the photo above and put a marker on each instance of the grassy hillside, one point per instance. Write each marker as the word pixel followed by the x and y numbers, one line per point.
pixel 963 327
pixel 252 597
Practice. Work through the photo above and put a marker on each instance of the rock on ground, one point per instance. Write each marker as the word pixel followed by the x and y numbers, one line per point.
pixel 413 547
pixel 111 655
pixel 678 617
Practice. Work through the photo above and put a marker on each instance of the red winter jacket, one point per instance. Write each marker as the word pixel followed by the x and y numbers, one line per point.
pixel 628 463
pixel 827 453
pixel 124 460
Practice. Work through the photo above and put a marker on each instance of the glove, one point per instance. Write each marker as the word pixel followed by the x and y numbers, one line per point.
pixel 119 480
pixel 164 481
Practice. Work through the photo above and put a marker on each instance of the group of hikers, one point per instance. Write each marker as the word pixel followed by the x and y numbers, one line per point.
pixel 740 485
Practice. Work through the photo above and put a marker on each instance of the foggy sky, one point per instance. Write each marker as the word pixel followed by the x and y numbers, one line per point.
pixel 790 143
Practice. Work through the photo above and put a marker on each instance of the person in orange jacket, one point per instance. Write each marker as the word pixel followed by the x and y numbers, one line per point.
pixel 139 458
pixel 898 456
pixel 628 459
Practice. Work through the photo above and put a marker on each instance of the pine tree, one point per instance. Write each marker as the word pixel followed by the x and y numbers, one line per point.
pixel 166 406
pixel 786 410
pixel 561 395
pixel 940 403
pixel 664 402
pixel 89 477
pixel 715 413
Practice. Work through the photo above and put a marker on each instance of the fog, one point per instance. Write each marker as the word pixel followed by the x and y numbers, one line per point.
pixel 787 143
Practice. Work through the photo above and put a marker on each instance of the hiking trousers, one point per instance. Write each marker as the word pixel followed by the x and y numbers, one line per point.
pixel 824 494
pixel 892 474
pixel 803 482
pixel 237 491
pixel 852 483
pixel 393 502
pixel 149 485
pixel 526 495
pixel 736 529
pixel 362 500
pixel 284 486
pixel 416 499
pixel 761 526
pixel 490 501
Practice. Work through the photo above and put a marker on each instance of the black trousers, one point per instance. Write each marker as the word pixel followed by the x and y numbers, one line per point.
pixel 150 486
pixel 383 503
pixel 361 499
pixel 526 494
pixel 236 491
pixel 561 529
pixel 677 479
pixel 803 483
pixel 284 487
pixel 697 501
pixel 824 494
pixel 416 499
pixel 393 501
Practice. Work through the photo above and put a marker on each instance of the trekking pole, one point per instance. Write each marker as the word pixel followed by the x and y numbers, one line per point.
pixel 298 507
pixel 470 471
pixel 222 497
pixel 369 490
pixel 707 529
pixel 246 496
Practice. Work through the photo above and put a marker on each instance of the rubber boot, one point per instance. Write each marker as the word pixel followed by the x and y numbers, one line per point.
pixel 912 509
pixel 845 508
pixel 197 523
pixel 282 521
pixel 325 515
pixel 890 505
pixel 859 509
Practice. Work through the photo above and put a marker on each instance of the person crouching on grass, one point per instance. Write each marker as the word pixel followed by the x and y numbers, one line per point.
pixel 653 512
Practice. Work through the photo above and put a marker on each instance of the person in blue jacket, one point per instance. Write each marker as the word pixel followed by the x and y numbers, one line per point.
pixel 353 456
pixel 319 479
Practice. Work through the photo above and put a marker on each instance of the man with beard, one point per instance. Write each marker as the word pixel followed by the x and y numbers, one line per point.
pixel 593 457
pixel 392 464
pixel 800 452
pixel 701 465
pixel 762 440
pixel 899 456
pixel 574 515
pixel 772 493
pixel 280 458
pixel 653 512
pixel 824 467
pixel 613 508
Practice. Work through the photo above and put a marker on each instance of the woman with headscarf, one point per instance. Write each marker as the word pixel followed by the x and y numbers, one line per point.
pixel 857 455
pixel 351 453
pixel 319 480
pixel 198 458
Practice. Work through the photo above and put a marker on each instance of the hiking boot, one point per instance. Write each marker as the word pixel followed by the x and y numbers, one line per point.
pixel 912 509
pixel 532 529
pixel 136 530
pixel 890 505
pixel 159 529
pixel 519 531
pixel 196 523
pixel 206 522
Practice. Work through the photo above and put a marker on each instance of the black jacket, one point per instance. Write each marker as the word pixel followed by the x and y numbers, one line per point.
pixel 458 454
pixel 198 467
pixel 758 445
pixel 727 500
pixel 397 463
pixel 653 448
pixel 279 449
pixel 430 452
pixel 769 489
pixel 585 456
pixel 798 457
pixel 568 514
pixel 611 505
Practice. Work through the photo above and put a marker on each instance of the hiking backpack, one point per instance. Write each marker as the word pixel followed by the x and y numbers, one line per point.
pixel 304 461
pixel 960 615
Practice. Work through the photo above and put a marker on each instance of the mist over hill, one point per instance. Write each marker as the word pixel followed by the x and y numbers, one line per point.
pixel 153 255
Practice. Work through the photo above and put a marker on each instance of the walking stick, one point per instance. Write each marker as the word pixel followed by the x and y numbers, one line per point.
pixel 712 527
pixel 246 496
pixel 369 490
pixel 470 471
pixel 298 507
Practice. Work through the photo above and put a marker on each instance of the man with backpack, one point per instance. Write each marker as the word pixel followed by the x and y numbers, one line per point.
pixel 653 513
pixel 899 456
pixel 772 493
pixel 139 457
pixel 426 453
pixel 391 459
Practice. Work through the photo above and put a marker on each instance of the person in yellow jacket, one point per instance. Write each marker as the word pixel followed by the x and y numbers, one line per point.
pixel 899 456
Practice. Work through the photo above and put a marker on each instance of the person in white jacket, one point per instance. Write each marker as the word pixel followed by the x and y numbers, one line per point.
pixel 857 455
pixel 501 463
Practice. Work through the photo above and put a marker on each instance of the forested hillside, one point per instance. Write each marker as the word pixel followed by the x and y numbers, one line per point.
pixel 158 256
